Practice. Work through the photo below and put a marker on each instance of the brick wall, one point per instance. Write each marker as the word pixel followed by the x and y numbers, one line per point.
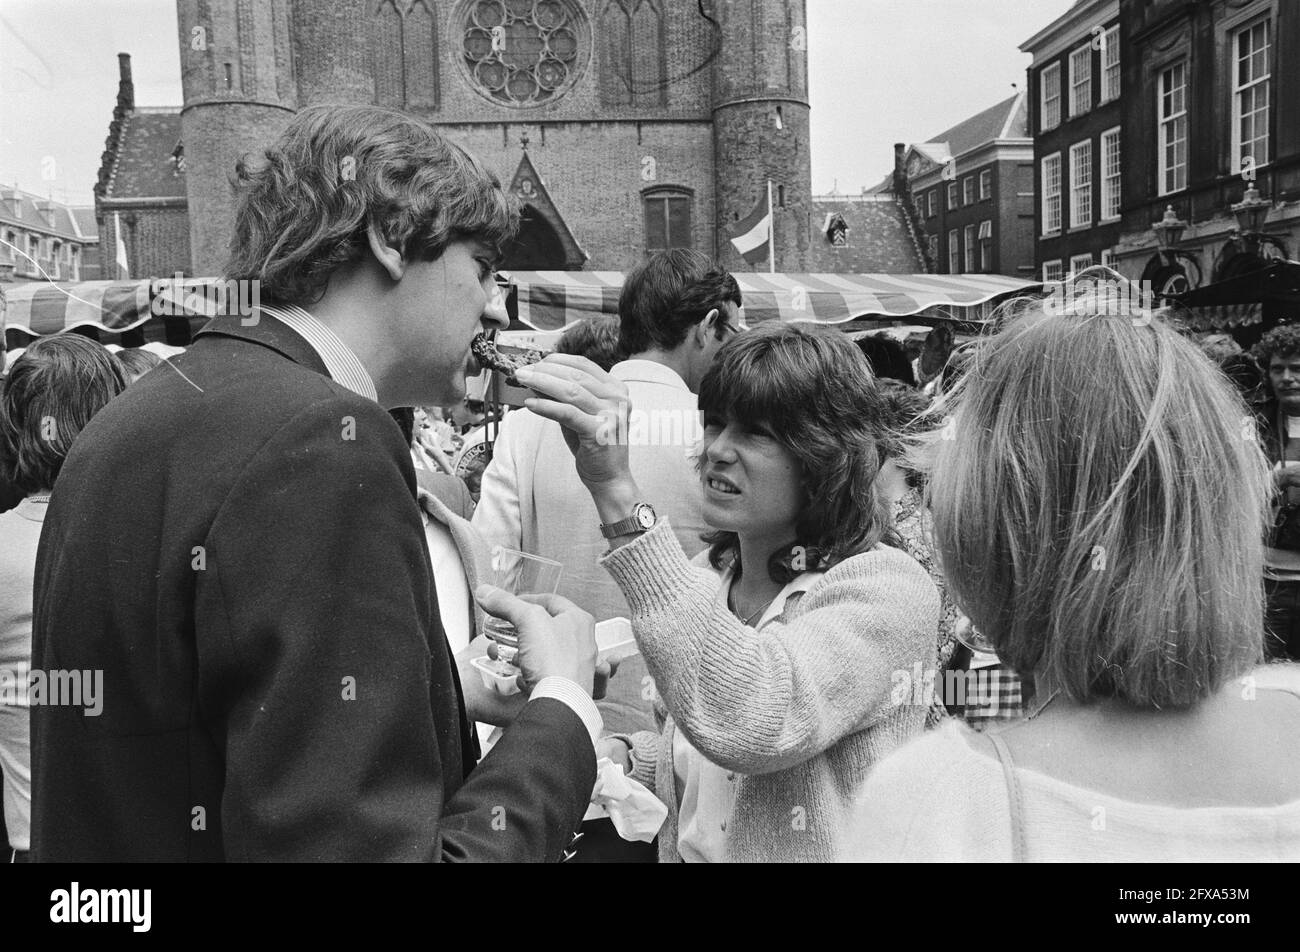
pixel 157 242
pixel 594 174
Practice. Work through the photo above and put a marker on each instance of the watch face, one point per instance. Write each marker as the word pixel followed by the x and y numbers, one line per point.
pixel 645 515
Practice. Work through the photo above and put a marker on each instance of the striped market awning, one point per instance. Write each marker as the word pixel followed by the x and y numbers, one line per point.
pixel 129 313
pixel 550 300
pixel 132 313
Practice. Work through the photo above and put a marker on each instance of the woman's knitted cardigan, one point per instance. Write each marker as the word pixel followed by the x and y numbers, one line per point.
pixel 801 709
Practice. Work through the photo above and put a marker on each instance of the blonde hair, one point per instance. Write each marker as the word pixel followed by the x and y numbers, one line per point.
pixel 1100 503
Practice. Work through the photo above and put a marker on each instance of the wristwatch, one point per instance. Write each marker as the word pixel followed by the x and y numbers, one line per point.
pixel 643 519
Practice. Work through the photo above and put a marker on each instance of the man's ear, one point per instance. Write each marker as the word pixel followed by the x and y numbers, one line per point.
pixel 389 258
pixel 708 327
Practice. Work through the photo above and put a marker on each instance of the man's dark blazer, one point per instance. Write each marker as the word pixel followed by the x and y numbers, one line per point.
pixel 235 541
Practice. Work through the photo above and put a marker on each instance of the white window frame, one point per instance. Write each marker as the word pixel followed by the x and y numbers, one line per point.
pixel 952 196
pixel 968 249
pixel 954 252
pixel 1052 270
pixel 1049 97
pixel 968 190
pixel 986 245
pixel 1240 91
pixel 1049 161
pixel 1172 129
pixel 986 184
pixel 932 203
pixel 1081 80
pixel 1108 258
pixel 1112 177
pixel 1081 184
pixel 1111 73
pixel 1080 262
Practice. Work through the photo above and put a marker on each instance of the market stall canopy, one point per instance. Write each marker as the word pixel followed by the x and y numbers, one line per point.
pixel 1247 299
pixel 129 313
pixel 549 300
pixel 170 310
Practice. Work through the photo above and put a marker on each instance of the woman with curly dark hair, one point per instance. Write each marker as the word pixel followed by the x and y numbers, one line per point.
pixel 1278 353
pixel 775 652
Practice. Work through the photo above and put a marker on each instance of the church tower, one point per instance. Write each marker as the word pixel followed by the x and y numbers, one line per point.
pixel 760 125
pixel 238 86
pixel 246 68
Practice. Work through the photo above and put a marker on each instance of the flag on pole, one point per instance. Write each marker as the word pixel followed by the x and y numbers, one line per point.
pixel 123 268
pixel 754 232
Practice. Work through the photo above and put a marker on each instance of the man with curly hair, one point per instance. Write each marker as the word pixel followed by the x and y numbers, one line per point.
pixel 1278 353
pixel 236 543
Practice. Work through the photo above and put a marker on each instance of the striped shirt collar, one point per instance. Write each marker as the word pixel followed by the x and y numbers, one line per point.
pixel 343 365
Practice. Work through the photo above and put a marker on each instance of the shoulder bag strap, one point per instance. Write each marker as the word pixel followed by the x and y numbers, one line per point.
pixel 1014 797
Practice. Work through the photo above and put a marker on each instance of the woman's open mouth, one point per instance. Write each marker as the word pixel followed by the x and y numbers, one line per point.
pixel 721 485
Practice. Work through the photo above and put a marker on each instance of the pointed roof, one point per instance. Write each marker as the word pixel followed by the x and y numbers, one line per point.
pixel 142 160
pixel 1007 120
pixel 38 213
pixel 531 190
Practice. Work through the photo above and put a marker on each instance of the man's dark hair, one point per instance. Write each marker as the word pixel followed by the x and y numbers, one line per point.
pixel 888 358
pixel 1281 341
pixel 668 295
pixel 596 339
pixel 51 393
pixel 303 209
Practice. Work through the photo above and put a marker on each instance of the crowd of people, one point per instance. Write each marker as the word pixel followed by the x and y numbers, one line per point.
pixel 1030 597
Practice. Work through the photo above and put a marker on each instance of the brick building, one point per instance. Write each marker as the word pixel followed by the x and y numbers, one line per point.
pixel 623 125
pixel 44 238
pixel 1212 99
pixel 140 195
pixel 1075 112
pixel 970 193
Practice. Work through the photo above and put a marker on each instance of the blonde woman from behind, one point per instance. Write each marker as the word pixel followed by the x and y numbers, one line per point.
pixel 1099 509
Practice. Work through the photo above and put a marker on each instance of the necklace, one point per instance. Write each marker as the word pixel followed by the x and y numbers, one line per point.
pixel 735 609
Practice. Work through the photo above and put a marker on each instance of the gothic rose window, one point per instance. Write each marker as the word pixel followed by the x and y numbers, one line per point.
pixel 522 52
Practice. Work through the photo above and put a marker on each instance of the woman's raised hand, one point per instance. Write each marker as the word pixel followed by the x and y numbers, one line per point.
pixel 592 407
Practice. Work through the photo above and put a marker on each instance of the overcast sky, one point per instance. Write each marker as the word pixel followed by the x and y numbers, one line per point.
pixel 877 76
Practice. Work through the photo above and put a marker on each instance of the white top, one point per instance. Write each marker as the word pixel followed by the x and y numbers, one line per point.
pixel 450 583
pixel 20 530
pixel 940 800
pixel 706 793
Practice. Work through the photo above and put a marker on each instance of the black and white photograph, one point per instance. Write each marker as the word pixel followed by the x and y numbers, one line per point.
pixel 652 431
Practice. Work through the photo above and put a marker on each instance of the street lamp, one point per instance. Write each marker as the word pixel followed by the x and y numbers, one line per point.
pixel 1169 232
pixel 1251 213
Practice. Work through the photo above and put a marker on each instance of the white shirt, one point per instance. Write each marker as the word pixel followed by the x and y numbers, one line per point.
pixel 20 532
pixel 707 792
pixel 450 583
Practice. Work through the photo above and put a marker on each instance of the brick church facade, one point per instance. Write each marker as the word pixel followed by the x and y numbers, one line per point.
pixel 624 126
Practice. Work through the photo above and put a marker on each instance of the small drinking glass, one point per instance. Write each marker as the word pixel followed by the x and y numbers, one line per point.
pixel 519 574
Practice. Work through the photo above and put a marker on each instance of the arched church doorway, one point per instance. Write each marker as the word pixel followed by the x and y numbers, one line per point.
pixel 537 247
